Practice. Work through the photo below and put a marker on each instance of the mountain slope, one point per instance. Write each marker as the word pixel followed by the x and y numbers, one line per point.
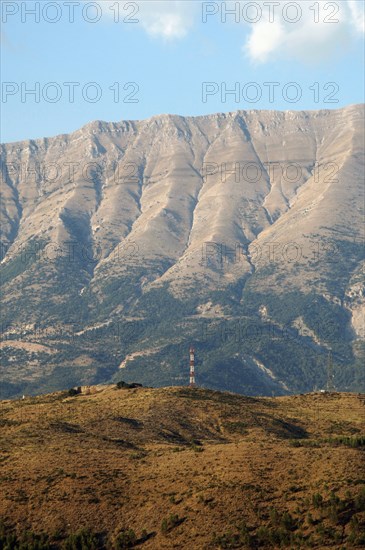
pixel 122 243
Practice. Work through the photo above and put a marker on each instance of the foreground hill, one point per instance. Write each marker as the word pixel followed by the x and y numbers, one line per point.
pixel 122 243
pixel 183 468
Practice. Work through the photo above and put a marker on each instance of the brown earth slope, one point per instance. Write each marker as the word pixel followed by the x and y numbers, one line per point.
pixel 184 468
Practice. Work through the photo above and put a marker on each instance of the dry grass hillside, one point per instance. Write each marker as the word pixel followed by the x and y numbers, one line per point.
pixel 182 468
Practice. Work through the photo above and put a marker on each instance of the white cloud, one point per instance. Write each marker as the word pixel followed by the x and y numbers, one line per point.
pixel 357 9
pixel 264 39
pixel 167 25
pixel 305 40
pixel 167 19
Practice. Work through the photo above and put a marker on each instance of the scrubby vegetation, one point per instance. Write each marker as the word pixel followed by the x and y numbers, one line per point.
pixel 169 523
pixel 125 539
pixel 334 521
pixel 28 540
pixel 84 539
pixel 121 385
pixel 348 441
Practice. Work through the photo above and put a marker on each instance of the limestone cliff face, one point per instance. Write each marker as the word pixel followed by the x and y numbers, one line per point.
pixel 191 205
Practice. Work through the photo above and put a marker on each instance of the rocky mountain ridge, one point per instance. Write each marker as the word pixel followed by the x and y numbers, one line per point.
pixel 138 225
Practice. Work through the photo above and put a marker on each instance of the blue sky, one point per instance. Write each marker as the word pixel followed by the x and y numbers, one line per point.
pixel 164 58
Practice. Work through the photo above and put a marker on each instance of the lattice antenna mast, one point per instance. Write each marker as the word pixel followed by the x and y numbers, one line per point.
pixel 192 367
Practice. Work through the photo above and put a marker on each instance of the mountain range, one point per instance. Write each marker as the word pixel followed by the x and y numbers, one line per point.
pixel 241 234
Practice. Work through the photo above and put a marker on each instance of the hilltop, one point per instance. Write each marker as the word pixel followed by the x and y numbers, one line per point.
pixel 183 468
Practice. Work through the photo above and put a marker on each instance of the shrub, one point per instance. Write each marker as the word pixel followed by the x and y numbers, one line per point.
pixel 310 519
pixel 82 540
pixel 317 500
pixel 235 540
pixel 287 522
pixel 137 455
pixel 284 521
pixel 360 501
pixel 26 541
pixel 122 385
pixel 196 445
pixel 227 540
pixel 126 539
pixel 357 535
pixel 169 523
pixel 355 441
pixel 263 535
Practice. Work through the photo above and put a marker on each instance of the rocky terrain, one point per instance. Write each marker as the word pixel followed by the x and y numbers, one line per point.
pixel 241 233
pixel 182 468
